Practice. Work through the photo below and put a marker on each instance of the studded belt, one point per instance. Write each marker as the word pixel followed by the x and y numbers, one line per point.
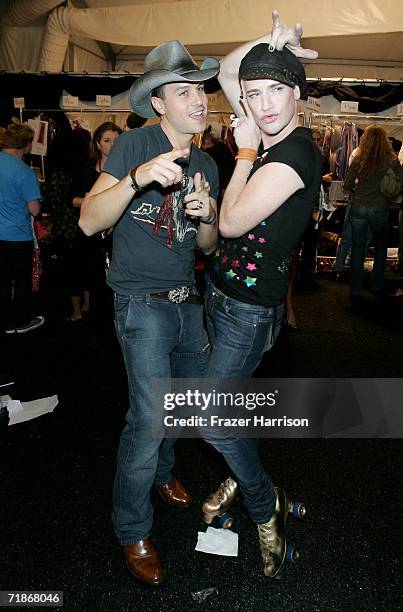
pixel 179 295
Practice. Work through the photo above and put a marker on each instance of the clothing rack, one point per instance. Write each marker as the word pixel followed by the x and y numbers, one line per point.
pixel 356 116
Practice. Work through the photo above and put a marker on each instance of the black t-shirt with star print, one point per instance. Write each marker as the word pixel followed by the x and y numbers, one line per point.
pixel 254 268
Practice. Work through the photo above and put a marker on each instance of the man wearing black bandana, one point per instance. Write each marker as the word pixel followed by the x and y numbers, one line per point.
pixel 265 210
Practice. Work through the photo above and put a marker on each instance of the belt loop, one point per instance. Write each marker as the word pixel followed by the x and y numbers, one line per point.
pixel 148 299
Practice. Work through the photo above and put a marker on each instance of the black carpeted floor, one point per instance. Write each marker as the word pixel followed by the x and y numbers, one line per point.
pixel 57 473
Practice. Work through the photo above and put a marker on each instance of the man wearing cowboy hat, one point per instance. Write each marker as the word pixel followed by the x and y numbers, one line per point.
pixel 159 192
pixel 160 209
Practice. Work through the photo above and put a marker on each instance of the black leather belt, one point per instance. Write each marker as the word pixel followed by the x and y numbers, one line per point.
pixel 179 295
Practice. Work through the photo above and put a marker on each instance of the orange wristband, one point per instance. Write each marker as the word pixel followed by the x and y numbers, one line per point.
pixel 249 154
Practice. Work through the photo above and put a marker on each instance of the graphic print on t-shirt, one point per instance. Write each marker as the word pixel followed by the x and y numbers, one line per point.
pixel 241 265
pixel 147 213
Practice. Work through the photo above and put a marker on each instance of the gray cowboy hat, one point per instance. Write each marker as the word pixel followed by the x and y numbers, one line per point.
pixel 168 63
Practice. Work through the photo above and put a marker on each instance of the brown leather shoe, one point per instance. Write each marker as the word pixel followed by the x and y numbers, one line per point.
pixel 143 562
pixel 174 494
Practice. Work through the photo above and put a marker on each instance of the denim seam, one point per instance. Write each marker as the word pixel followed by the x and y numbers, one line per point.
pixel 250 345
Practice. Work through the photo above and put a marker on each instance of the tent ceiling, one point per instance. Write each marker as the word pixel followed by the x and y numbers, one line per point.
pixel 351 37
pixel 375 48
pixel 375 56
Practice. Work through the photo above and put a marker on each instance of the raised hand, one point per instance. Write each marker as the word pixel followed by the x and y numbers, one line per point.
pixel 161 169
pixel 247 134
pixel 198 202
pixel 282 36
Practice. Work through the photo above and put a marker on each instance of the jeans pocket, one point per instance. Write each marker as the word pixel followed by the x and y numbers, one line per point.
pixel 122 305
pixel 245 316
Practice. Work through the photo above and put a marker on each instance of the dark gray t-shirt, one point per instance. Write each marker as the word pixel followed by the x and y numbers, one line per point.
pixel 145 260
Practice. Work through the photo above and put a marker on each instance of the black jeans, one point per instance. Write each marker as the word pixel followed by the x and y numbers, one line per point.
pixel 15 282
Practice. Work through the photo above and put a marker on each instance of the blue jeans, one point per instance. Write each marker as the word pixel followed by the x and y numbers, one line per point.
pixel 377 220
pixel 159 339
pixel 344 247
pixel 240 333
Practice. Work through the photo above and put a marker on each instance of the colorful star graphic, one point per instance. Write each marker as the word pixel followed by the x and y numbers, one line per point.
pixel 263 223
pixel 217 253
pixel 251 236
pixel 250 281
pixel 251 267
pixel 224 259
pixel 230 274
pixel 245 249
pixel 235 263
pixel 258 254
pixel 262 240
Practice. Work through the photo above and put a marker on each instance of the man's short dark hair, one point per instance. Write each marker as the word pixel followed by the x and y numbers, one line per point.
pixel 396 144
pixel 135 121
pixel 159 92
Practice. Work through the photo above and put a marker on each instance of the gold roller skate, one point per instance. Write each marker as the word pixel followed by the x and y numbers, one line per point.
pixel 218 503
pixel 272 535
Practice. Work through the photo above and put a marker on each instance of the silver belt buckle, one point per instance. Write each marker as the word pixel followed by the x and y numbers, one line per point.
pixel 179 295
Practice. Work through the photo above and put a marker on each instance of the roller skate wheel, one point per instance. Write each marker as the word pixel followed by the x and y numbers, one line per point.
pixel 225 521
pixel 292 554
pixel 298 510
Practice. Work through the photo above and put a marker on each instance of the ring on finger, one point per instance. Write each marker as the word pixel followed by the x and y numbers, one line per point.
pixel 199 205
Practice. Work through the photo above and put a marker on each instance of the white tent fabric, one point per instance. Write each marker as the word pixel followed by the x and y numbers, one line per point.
pixel 23 13
pixel 362 40
pixel 201 22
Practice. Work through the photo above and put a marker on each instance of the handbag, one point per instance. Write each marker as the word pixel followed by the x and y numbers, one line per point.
pixel 36 261
pixel 390 185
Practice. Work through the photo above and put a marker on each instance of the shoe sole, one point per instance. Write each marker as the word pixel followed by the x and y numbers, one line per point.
pixel 24 331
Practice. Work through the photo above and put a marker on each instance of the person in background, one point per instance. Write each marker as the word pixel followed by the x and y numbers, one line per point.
pixel 345 241
pixel 309 244
pixel 370 207
pixel 307 248
pixel 397 146
pixel 2 133
pixel 134 121
pixel 19 198
pixel 67 156
pixel 96 250
pixel 218 150
pixel 311 235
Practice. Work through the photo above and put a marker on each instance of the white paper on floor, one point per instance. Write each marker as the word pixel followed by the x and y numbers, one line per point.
pixel 25 411
pixel 218 542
